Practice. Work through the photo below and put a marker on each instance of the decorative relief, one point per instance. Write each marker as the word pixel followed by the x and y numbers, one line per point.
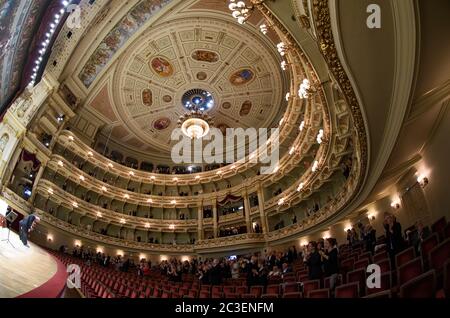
pixel 205 56
pixel 147 97
pixel 201 76
pixel 117 38
pixel 161 123
pixel 161 66
pixel 242 77
pixel 245 108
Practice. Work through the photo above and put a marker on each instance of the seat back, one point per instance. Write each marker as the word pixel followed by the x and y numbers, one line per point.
pixel 292 295
pixel 350 290
pixel 319 293
pixel 385 265
pixel 358 276
pixel 439 255
pixel 290 288
pixel 257 290
pixel 428 244
pixel 362 263
pixel 439 225
pixel 310 285
pixel 423 286
pixel 273 289
pixel 405 256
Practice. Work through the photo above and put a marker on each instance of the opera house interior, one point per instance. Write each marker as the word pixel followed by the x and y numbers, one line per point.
pixel 232 149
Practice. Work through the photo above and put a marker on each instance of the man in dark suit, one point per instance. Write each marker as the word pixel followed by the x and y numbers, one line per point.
pixel 26 226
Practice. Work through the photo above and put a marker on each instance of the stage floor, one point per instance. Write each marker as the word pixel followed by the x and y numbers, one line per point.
pixel 23 269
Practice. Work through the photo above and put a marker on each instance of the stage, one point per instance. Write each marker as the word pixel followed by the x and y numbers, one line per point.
pixel 28 272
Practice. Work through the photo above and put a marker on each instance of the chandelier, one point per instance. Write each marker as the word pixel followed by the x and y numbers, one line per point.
pixel 195 124
pixel 241 12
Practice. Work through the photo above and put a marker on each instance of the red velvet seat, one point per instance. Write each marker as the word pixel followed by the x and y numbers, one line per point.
pixel 380 256
pixel 217 295
pixel 291 288
pixel 383 294
pixel 231 295
pixel 240 290
pixel 439 226
pixel 350 290
pixel 423 286
pixel 310 285
pixel 409 270
pixel 362 263
pixel 228 289
pixel 319 293
pixel 216 289
pixel 204 294
pixel 439 255
pixel 385 265
pixel 257 290
pixel 166 294
pixel 292 295
pixel 348 264
pixel 427 245
pixel 269 296
pixel 273 289
pixel 248 296
pixel 358 276
pixel 326 281
pixel 405 256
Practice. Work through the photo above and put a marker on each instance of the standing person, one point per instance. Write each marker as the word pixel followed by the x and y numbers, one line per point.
pixel 394 238
pixel 330 261
pixel 313 261
pixel 26 225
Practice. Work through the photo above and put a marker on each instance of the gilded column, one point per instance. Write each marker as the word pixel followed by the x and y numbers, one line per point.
pixel 248 222
pixel 200 221
pixel 261 209
pixel 215 218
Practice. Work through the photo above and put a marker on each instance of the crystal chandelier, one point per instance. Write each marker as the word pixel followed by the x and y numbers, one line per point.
pixel 195 124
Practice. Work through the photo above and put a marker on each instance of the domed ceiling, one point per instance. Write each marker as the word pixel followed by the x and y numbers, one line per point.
pixel 193 49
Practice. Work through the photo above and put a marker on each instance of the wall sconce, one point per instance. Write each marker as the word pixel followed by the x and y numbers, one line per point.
pixel 395 205
pixel 371 216
pixel 423 181
pixel 49 238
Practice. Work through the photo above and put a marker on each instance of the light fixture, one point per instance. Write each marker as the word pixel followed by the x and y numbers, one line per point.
pixel 175 179
pixel 82 178
pixel 305 89
pixel 50 190
pixel 197 177
pixel 288 95
pixel 195 124
pixel 241 12
pixel 104 188
pixel 99 214
pixel 320 136
pixel 173 202
pixel 282 48
pixel 49 237
pixel 131 173
pixel 284 65
pixel 126 196
pixel 371 215
pixel 149 201
pixel 71 138
pixel 90 154
pixel 264 28
pixel 152 177
pixel 302 125
pixel 172 226
pixel 315 166
pixel 147 225
pixel 300 187
pixel 74 204
pixel 110 165
pixel 281 121
pixel 276 168
pixel 423 181
pixel 122 221
pixel 281 201
pixel 395 204
pixel 291 151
